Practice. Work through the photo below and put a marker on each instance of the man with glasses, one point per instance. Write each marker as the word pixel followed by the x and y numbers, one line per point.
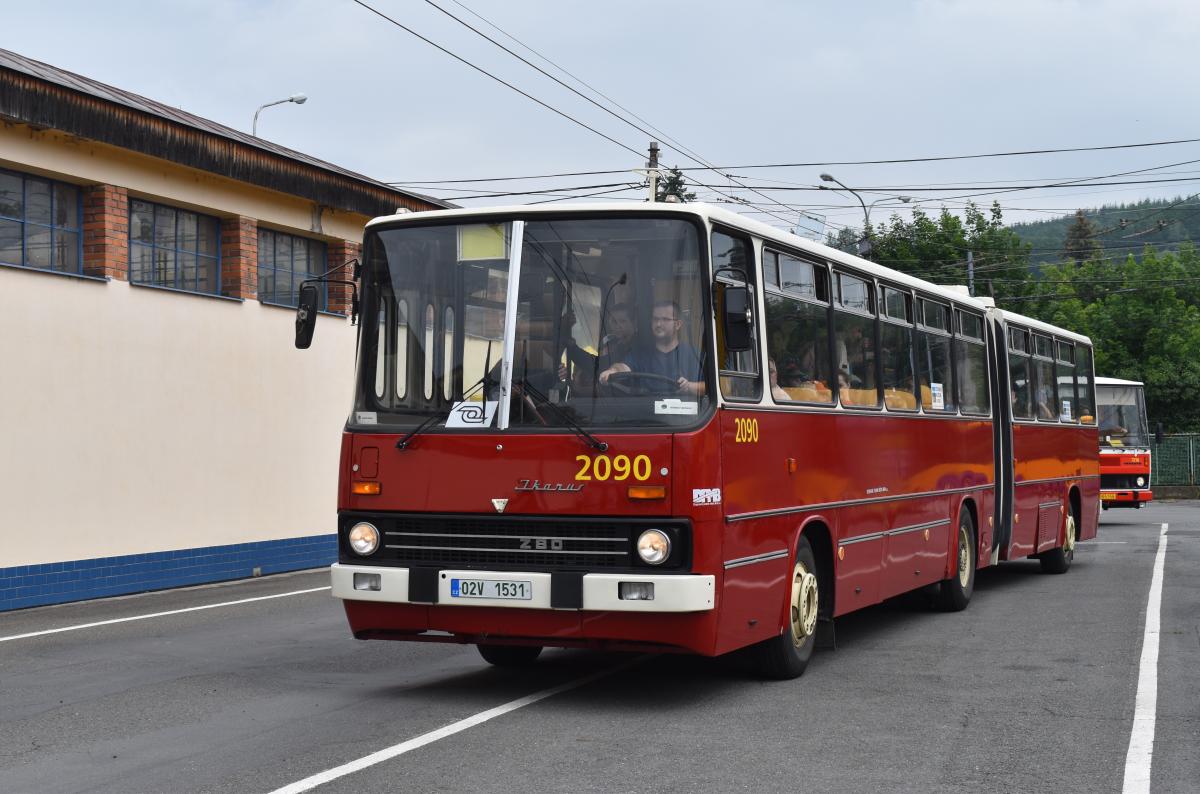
pixel 669 360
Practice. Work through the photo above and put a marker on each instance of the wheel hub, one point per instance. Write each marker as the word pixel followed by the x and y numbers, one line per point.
pixel 964 556
pixel 804 606
pixel 1069 540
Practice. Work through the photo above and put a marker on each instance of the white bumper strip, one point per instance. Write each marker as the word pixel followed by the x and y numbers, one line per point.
pixel 672 593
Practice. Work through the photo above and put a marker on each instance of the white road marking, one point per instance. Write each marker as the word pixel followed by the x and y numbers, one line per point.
pixel 1141 740
pixel 321 778
pixel 160 614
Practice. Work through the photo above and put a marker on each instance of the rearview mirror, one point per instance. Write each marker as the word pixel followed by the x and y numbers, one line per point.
pixel 306 314
pixel 738 319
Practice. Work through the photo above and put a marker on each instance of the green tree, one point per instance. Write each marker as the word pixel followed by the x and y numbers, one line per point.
pixel 1081 244
pixel 672 183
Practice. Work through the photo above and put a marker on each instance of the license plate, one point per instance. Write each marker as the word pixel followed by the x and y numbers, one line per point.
pixel 504 589
pixel 1108 497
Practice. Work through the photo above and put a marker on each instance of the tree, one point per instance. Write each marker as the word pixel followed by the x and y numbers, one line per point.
pixel 672 184
pixel 1081 244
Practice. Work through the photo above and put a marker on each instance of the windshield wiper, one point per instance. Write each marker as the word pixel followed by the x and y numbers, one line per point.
pixel 485 381
pixel 574 426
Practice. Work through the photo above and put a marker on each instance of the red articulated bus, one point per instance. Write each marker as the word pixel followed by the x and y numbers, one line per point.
pixel 1125 452
pixel 668 427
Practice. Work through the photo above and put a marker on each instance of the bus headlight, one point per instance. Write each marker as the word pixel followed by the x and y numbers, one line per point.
pixel 364 539
pixel 654 547
pixel 1141 482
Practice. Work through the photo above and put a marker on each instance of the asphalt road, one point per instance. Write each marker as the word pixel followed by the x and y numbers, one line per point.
pixel 1031 689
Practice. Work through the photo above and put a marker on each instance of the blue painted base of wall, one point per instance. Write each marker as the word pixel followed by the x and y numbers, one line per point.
pixel 59 582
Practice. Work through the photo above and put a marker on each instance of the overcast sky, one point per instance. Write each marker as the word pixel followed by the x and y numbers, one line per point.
pixel 738 83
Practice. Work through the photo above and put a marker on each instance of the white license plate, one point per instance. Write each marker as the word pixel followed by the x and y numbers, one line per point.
pixel 504 589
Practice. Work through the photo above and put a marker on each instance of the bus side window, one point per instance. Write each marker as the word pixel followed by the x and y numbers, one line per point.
pixel 937 393
pixel 798 331
pixel 1019 374
pixel 970 365
pixel 896 349
pixel 1065 375
pixel 1084 387
pixel 854 343
pixel 1045 394
pixel 738 371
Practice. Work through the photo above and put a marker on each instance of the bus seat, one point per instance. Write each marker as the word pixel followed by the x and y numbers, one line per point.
pixel 926 397
pixel 861 397
pixel 903 400
pixel 812 393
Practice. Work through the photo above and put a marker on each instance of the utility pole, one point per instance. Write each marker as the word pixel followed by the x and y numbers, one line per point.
pixel 971 273
pixel 652 172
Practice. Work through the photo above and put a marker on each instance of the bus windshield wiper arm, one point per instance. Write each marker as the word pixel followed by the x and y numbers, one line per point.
pixel 403 442
pixel 485 381
pixel 575 427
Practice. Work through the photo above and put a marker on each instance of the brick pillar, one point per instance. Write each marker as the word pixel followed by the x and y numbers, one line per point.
pixel 106 231
pixel 239 257
pixel 339 252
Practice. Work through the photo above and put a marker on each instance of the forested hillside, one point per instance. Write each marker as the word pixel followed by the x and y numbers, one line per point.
pixel 1119 229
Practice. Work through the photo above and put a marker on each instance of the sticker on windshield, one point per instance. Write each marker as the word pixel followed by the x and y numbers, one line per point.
pixel 676 407
pixel 470 413
pixel 366 418
pixel 939 397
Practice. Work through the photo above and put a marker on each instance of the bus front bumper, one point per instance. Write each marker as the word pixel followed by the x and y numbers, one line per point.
pixel 607 592
pixel 1119 498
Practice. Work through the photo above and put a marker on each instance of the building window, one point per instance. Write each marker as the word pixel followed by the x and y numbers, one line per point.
pixel 174 248
pixel 40 223
pixel 283 262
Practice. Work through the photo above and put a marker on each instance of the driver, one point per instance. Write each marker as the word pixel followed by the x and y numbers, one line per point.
pixel 669 357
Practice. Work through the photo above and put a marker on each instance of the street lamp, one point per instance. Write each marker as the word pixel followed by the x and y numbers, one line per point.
pixel 299 99
pixel 864 245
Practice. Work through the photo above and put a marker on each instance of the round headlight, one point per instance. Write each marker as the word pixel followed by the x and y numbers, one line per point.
pixel 654 546
pixel 364 539
pixel 1141 482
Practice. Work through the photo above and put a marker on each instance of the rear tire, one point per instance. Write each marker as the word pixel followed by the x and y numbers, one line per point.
pixel 955 592
pixel 787 655
pixel 509 655
pixel 1059 560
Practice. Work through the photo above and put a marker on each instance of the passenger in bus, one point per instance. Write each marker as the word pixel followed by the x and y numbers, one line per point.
pixel 854 355
pixel 1043 404
pixel 777 391
pixel 668 357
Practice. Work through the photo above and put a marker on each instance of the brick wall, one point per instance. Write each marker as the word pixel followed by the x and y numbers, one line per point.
pixel 339 252
pixel 239 257
pixel 106 232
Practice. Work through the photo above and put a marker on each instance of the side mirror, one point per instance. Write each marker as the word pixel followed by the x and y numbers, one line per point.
pixel 1158 434
pixel 738 319
pixel 306 314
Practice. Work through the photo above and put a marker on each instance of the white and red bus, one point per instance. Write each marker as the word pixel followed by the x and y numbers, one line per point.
pixel 669 427
pixel 1125 451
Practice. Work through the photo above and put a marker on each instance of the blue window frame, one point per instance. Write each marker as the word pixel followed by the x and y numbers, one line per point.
pixel 40 223
pixel 285 260
pixel 174 248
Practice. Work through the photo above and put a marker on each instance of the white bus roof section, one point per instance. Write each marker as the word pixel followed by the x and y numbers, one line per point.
pixel 1117 382
pixel 1038 325
pixel 710 214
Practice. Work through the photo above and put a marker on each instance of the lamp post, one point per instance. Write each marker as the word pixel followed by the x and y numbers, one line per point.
pixel 864 245
pixel 299 99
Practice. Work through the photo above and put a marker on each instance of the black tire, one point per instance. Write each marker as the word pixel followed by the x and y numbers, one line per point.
pixel 955 592
pixel 787 655
pixel 1059 560
pixel 509 655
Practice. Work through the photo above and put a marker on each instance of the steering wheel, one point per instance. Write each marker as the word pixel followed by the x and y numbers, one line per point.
pixel 637 384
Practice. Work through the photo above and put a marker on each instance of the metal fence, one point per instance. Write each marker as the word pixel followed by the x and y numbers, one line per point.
pixel 1176 460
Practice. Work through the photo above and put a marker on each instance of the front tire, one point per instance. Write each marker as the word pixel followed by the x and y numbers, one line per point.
pixel 787 655
pixel 1059 560
pixel 955 592
pixel 509 655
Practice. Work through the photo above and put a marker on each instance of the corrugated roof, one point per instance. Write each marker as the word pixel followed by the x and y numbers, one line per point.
pixel 94 88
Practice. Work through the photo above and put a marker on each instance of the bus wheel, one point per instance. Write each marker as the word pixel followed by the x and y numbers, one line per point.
pixel 786 655
pixel 955 592
pixel 1059 560
pixel 509 655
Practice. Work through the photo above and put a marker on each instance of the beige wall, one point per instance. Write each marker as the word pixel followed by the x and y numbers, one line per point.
pixel 135 420
pixel 61 156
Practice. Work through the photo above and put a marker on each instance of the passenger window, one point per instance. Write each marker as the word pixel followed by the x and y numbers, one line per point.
pixel 1019 374
pixel 970 366
pixel 1065 369
pixel 937 393
pixel 1046 393
pixel 1084 387
pixel 854 344
pixel 896 351
pixel 799 368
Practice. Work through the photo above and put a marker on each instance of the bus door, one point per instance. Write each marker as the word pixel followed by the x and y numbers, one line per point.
pixel 1002 432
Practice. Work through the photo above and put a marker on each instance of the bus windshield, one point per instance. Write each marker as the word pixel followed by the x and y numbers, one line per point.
pixel 604 326
pixel 1122 416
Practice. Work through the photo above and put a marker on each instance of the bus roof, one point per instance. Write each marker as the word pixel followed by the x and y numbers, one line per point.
pixel 1116 382
pixel 721 215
